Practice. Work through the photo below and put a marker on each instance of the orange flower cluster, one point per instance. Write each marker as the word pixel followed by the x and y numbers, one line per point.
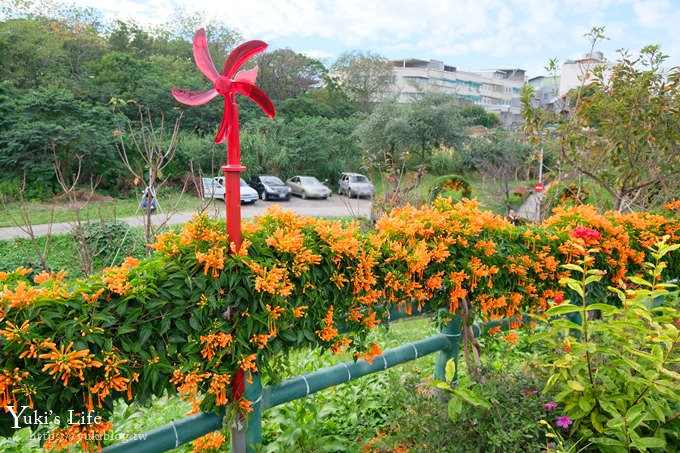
pixel 286 240
pixel 88 436
pixel 218 387
pixel 248 364
pixel 116 279
pixel 452 185
pixel 370 355
pixel 511 338
pixel 673 205
pixel 210 443
pixel 201 228
pixel 113 380
pixel 187 385
pixel 212 260
pixel 63 362
pixel 15 333
pixel 299 312
pixel 167 243
pixel 274 281
pixel 22 296
pixel 213 341
pixel 328 332
pixel 10 385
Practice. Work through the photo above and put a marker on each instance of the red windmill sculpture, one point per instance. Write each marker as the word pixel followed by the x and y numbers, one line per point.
pixel 229 84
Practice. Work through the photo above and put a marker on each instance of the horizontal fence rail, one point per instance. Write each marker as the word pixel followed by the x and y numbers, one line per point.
pixel 246 434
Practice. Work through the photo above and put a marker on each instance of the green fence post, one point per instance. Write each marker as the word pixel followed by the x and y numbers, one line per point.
pixel 254 420
pixel 452 332
pixel 246 433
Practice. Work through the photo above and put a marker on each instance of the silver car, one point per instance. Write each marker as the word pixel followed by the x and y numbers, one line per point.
pixel 355 185
pixel 308 187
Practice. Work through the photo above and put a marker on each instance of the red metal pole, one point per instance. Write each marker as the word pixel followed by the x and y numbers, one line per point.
pixel 232 178
pixel 232 200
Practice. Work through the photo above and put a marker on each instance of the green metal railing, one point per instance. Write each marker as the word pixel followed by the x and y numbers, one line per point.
pixel 246 434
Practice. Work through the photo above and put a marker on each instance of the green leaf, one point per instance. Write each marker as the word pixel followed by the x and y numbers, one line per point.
pixel 609 407
pixel 591 279
pixel 440 385
pixel 573 267
pixel 472 398
pixel 541 336
pixel 635 415
pixel 658 352
pixel 455 408
pixel 586 403
pixel 649 442
pixel 656 409
pixel 577 288
pixel 126 329
pixel 450 371
pixel 596 422
pixel 608 442
pixel 551 382
pixel 640 353
pixel 670 373
pixel 606 309
pixel 639 281
pixel 575 385
pixel 562 309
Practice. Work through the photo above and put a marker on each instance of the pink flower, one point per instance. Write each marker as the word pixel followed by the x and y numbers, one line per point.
pixel 550 406
pixel 563 422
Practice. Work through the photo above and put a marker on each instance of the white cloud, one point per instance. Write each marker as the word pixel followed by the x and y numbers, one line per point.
pixel 460 32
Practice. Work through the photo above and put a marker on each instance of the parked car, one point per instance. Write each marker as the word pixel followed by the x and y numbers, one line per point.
pixel 214 188
pixel 355 185
pixel 308 187
pixel 270 187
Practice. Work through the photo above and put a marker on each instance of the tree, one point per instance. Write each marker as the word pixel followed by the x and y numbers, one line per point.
pixel 362 76
pixel 284 74
pixel 32 55
pixel 146 148
pixel 480 117
pixel 501 159
pixel 401 137
pixel 46 122
pixel 621 130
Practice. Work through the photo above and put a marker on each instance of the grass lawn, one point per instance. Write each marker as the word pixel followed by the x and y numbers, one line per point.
pixel 106 208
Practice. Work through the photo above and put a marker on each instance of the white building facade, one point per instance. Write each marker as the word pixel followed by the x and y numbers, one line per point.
pixel 495 90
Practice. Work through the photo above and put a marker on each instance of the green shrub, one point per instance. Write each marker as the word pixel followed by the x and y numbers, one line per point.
pixel 617 378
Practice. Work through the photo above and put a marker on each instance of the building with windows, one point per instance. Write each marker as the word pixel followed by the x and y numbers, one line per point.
pixel 574 72
pixel 496 90
pixel 546 92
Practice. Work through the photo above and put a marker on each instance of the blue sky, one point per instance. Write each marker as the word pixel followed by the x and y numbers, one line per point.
pixel 469 34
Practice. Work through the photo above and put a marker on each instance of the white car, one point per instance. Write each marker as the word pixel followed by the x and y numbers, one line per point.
pixel 308 187
pixel 214 188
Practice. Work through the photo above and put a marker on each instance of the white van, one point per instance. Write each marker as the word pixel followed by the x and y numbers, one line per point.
pixel 214 188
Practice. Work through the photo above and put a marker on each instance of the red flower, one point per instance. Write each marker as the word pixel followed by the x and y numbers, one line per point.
pixel 587 234
pixel 228 84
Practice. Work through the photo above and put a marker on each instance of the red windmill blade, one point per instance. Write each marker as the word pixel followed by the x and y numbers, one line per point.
pixel 227 84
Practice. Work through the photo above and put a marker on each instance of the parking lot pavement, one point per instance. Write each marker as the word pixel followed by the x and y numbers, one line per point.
pixel 335 206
